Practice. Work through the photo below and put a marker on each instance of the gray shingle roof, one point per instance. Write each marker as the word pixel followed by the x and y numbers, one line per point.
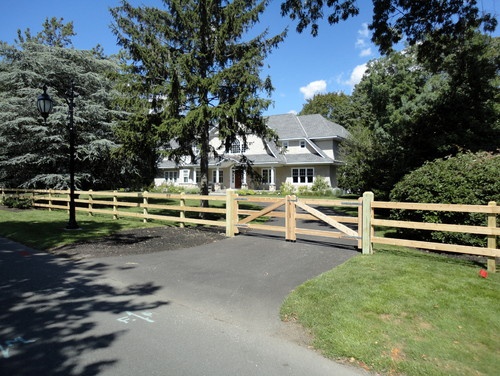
pixel 307 158
pixel 291 126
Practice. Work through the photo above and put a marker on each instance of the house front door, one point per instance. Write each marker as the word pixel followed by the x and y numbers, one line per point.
pixel 237 178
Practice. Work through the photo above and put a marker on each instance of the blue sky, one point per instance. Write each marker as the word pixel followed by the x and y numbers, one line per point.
pixel 301 67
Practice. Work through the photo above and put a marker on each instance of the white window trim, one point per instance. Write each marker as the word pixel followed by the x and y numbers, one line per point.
pixel 171 176
pixel 306 175
pixel 185 176
pixel 237 147
pixel 217 176
pixel 269 175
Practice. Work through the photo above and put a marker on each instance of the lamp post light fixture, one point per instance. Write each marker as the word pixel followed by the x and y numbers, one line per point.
pixel 45 105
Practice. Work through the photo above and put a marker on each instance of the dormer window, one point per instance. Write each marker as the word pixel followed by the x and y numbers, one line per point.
pixel 302 144
pixel 237 147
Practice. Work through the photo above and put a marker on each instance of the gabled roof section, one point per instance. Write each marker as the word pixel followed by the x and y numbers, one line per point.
pixel 293 127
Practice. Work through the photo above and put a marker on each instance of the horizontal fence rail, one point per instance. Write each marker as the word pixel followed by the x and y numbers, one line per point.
pixel 233 214
pixel 490 228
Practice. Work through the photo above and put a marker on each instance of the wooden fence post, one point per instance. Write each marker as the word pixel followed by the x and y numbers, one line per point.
pixel 360 221
pixel 91 206
pixel 182 213
pixel 145 202
pixel 366 231
pixel 290 218
pixel 231 213
pixel 115 207
pixel 492 239
pixel 50 199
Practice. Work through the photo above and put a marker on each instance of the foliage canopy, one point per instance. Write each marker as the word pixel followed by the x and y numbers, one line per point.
pixel 437 24
pixel 34 153
pixel 467 178
pixel 198 68
pixel 407 114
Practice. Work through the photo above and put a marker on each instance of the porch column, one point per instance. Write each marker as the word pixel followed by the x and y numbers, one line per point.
pixel 244 179
pixel 272 184
pixel 217 180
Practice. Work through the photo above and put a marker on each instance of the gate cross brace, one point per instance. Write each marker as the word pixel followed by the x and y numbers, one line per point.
pixel 261 212
pixel 325 218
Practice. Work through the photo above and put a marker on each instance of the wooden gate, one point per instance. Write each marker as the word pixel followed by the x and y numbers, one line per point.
pixel 288 214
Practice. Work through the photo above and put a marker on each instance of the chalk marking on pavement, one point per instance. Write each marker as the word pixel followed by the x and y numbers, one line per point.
pixel 133 317
pixel 10 343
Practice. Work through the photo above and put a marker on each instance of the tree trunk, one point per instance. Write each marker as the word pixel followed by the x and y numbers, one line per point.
pixel 204 155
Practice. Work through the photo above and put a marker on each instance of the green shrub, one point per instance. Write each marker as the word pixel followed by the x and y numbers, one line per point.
pixel 287 188
pixel 468 178
pixel 337 192
pixel 18 202
pixel 167 188
pixel 246 192
pixel 320 185
pixel 303 190
pixel 192 191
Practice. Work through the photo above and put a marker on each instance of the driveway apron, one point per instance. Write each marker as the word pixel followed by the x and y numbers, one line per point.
pixel 207 310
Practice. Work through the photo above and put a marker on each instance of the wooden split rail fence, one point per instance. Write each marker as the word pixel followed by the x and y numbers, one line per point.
pixel 232 213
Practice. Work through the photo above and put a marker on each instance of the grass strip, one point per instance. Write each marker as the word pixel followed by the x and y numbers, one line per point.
pixel 404 312
pixel 44 230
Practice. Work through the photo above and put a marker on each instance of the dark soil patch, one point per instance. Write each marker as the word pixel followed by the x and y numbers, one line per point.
pixel 140 241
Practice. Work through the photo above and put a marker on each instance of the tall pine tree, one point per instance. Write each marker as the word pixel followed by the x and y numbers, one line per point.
pixel 198 68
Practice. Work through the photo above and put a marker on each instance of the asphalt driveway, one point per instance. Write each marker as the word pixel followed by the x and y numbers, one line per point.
pixel 207 310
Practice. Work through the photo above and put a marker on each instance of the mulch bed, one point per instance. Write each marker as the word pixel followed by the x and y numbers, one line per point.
pixel 140 241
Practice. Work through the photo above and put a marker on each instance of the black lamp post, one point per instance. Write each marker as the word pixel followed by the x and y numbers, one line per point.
pixel 44 105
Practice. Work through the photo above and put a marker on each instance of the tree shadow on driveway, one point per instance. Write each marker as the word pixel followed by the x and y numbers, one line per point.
pixel 49 311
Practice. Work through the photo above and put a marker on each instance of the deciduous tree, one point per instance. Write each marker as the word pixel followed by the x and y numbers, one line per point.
pixel 418 115
pixel 336 107
pixel 437 24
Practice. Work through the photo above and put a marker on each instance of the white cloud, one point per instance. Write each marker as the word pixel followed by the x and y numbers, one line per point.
pixel 356 75
pixel 366 52
pixel 362 42
pixel 364 32
pixel 313 88
pixel 293 112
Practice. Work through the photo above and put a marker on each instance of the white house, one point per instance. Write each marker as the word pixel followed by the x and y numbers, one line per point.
pixel 308 147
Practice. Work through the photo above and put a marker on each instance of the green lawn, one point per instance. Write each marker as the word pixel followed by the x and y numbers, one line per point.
pixel 404 312
pixel 396 312
pixel 43 229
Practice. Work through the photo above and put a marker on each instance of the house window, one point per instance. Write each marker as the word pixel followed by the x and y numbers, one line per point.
pixel 185 176
pixel 171 176
pixel 237 147
pixel 285 144
pixel 302 175
pixel 302 144
pixel 214 176
pixel 266 176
